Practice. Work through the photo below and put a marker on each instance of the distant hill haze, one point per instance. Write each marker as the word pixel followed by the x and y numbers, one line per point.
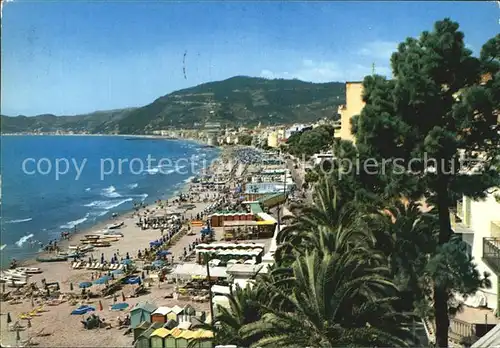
pixel 239 100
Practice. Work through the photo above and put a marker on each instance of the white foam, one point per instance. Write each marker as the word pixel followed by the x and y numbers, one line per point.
pixel 189 179
pixel 23 240
pixel 18 221
pixel 142 196
pixel 132 186
pixel 87 189
pixel 74 223
pixel 3 246
pixel 107 205
pixel 110 192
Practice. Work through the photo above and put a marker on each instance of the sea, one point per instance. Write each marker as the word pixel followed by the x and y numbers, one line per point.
pixel 52 184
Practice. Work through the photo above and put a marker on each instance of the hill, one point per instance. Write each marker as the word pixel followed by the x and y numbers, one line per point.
pixel 239 100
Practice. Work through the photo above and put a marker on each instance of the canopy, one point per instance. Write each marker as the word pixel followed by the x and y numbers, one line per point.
pixel 84 285
pixel 119 306
pixel 102 280
pixel 82 310
pixel 117 271
pixel 163 253
pixel 133 280
pixel 127 262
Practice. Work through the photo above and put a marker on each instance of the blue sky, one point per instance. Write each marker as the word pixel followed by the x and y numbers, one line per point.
pixel 71 57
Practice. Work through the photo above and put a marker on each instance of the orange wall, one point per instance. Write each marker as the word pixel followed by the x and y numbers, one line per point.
pixel 354 105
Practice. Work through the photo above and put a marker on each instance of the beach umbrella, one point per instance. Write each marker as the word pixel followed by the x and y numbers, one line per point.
pixel 117 271
pixel 9 319
pixel 123 297
pixel 103 280
pixel 84 285
pixel 100 305
pixel 119 306
pixel 70 286
pixel 82 310
pixel 127 262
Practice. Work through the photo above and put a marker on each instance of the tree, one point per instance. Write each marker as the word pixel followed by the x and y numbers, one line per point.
pixel 245 139
pixel 435 108
pixel 335 300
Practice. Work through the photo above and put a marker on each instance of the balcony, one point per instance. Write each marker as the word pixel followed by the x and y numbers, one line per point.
pixel 458 225
pixel 491 253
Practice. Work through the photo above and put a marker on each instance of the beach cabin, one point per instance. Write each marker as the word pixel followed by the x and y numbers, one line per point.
pixel 160 315
pixel 139 329
pixel 204 337
pixel 184 338
pixel 175 311
pixel 171 340
pixel 141 312
pixel 144 341
pixel 158 337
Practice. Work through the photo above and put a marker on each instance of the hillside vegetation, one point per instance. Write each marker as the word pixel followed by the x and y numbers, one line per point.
pixel 238 100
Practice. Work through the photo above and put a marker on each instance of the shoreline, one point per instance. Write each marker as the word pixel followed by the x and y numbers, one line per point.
pixel 100 225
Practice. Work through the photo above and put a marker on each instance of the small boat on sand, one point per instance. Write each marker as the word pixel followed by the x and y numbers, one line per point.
pixel 14 274
pixel 57 258
pixel 101 244
pixel 13 283
pixel 115 225
pixel 29 270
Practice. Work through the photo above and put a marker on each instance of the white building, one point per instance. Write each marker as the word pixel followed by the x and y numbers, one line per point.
pixel 479 224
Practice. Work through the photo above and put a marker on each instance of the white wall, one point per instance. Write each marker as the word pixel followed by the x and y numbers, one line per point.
pixel 482 214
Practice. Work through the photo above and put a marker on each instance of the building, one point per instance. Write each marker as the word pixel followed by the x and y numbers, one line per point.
pixel 478 222
pixel 272 139
pixel 212 131
pixel 353 106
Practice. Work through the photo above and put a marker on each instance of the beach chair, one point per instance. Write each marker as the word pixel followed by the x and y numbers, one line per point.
pixel 112 267
pixel 121 267
pixel 77 266
pixel 87 266
pixel 73 265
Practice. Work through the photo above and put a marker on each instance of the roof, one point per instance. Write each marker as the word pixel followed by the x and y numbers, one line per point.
pixel 162 310
pixel 490 340
pixel 145 306
pixel 256 208
pixel 144 325
pixel 177 310
pixel 161 332
pixel 243 269
pixel 219 289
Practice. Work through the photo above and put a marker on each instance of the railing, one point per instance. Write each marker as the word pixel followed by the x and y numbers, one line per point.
pixel 491 253
pixel 460 330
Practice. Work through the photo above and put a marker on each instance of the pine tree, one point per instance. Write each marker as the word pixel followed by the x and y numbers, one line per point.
pixel 435 108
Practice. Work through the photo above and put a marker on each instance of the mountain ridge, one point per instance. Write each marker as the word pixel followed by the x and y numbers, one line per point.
pixel 239 100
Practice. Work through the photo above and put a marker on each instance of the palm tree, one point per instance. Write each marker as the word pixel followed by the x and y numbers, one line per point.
pixel 336 300
pixel 406 237
pixel 243 309
pixel 330 225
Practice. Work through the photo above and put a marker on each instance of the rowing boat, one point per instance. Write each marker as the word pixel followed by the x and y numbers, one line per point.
pixel 52 258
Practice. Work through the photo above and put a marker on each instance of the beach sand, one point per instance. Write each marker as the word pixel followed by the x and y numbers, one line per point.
pixel 65 329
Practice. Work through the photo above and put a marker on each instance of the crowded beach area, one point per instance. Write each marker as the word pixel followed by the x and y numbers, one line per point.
pixel 156 276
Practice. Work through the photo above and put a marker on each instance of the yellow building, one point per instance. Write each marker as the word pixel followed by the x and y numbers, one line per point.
pixel 354 105
pixel 272 139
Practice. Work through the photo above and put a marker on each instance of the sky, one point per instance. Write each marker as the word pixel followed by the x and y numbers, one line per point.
pixel 74 57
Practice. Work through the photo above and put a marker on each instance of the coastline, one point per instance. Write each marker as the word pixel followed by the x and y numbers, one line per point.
pixel 100 225
pixel 44 327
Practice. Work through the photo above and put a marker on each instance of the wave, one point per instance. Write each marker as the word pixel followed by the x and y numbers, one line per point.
pixel 107 205
pixel 87 189
pixel 110 192
pixel 74 223
pixel 142 196
pixel 189 179
pixel 132 186
pixel 2 246
pixel 23 240
pixel 18 221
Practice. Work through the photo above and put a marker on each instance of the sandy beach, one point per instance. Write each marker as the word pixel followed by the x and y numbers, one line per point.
pixel 54 326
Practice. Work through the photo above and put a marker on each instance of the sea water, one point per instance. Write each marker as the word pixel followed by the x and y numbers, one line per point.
pixel 52 184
